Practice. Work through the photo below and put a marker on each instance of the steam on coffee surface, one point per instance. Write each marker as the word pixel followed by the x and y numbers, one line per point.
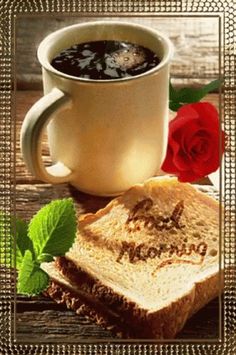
pixel 105 60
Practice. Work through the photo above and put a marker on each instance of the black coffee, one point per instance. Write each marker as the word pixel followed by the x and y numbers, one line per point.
pixel 105 60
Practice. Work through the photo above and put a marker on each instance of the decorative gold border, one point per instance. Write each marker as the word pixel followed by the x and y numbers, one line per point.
pixel 9 10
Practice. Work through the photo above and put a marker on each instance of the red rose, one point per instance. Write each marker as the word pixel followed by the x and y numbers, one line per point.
pixel 194 142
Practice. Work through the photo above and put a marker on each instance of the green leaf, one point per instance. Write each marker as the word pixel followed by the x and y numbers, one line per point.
pixel 189 95
pixel 173 94
pixel 31 279
pixel 53 229
pixel 174 106
pixel 23 242
pixel 213 85
pixel 11 227
pixel 45 258
pixel 51 233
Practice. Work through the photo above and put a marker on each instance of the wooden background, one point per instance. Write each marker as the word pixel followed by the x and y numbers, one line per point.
pixel 195 62
pixel 196 43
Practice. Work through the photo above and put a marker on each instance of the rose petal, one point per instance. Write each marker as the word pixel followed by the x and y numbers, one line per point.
pixel 209 148
pixel 174 144
pixel 208 113
pixel 180 122
pixel 193 145
pixel 189 111
pixel 197 134
pixel 182 161
pixel 186 132
pixel 188 137
pixel 168 165
pixel 188 176
pixel 199 146
pixel 206 166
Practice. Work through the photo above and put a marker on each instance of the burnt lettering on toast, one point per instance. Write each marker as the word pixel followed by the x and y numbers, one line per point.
pixel 128 248
pixel 177 213
pixel 142 252
pixel 141 213
pixel 144 205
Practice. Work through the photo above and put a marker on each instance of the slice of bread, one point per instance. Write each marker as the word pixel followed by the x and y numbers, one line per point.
pixel 151 255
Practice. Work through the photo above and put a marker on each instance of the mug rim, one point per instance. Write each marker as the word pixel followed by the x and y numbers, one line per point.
pixel 167 45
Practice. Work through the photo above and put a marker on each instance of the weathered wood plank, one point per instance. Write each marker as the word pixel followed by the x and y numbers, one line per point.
pixel 29 198
pixel 57 326
pixel 36 304
pixel 60 324
pixel 196 42
pixel 24 100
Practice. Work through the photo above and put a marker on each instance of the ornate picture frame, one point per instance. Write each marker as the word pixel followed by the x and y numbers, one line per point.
pixel 10 11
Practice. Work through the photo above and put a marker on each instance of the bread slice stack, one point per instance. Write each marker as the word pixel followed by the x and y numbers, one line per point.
pixel 145 263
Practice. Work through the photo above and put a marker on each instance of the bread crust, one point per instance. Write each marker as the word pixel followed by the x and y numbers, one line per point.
pixel 62 295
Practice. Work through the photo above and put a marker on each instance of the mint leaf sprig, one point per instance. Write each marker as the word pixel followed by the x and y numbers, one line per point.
pixel 51 232
pixel 31 279
pixel 10 226
pixel 23 242
pixel 178 98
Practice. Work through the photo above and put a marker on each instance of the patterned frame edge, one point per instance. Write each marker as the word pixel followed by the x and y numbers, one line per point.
pixel 9 9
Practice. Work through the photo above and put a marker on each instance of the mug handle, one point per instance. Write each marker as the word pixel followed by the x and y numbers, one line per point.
pixel 31 136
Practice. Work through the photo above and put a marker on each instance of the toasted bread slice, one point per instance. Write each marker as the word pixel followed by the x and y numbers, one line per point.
pixel 151 255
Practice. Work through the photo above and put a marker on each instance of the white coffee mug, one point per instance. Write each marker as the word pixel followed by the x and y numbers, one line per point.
pixel 104 135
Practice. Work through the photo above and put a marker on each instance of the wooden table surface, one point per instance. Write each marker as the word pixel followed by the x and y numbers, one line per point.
pixel 40 317
pixel 195 62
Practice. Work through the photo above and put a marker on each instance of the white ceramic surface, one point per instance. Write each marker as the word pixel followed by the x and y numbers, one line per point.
pixel 104 135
